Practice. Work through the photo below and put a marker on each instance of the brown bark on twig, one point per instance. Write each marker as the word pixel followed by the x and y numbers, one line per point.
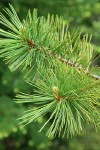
pixel 32 45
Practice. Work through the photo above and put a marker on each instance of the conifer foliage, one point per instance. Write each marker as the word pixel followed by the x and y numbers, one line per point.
pixel 56 63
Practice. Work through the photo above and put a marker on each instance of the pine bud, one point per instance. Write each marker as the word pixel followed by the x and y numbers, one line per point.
pixel 55 91
pixel 21 30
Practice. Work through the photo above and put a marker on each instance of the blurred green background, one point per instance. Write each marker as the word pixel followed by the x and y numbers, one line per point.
pixel 84 14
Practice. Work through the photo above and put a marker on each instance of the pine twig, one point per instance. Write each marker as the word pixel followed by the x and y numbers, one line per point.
pixel 75 65
pixel 71 102
pixel 33 45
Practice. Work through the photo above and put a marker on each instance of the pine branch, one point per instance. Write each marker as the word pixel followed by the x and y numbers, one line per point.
pixel 58 92
pixel 51 34
pixel 75 65
pixel 42 47
pixel 33 45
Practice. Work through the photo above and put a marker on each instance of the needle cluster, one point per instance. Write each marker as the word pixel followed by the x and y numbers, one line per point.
pixel 56 63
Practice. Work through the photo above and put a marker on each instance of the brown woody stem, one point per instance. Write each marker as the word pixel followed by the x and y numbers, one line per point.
pixel 74 65
pixel 32 45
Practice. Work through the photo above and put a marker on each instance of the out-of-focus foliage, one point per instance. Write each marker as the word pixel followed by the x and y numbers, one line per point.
pixel 84 14
pixel 13 135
